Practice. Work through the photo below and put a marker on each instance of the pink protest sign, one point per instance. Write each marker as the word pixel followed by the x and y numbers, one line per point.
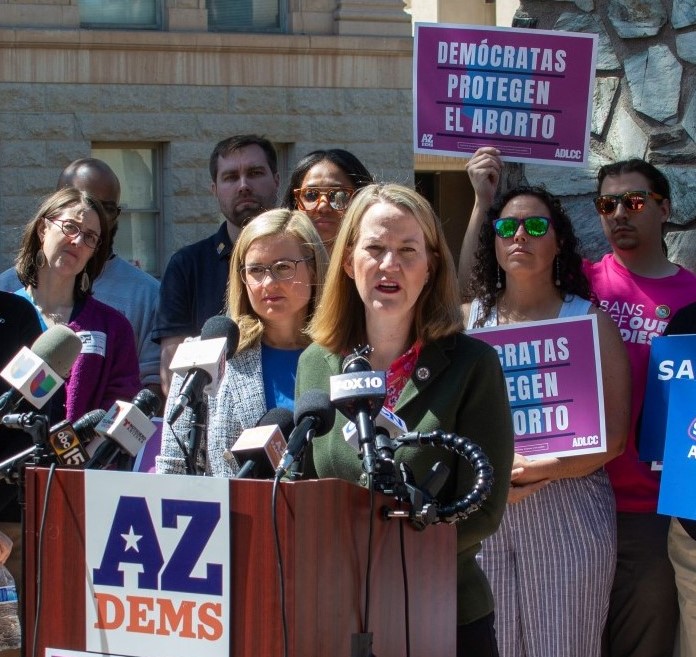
pixel 554 384
pixel 526 92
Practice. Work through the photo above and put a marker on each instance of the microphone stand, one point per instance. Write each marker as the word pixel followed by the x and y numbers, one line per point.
pixel 197 434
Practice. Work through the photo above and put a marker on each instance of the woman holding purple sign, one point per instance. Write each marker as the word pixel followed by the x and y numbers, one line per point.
pixel 551 562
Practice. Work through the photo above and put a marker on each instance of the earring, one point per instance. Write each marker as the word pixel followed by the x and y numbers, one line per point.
pixel 558 272
pixel 84 282
pixel 40 259
pixel 498 283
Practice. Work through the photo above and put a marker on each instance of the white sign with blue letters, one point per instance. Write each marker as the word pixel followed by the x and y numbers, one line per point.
pixel 157 564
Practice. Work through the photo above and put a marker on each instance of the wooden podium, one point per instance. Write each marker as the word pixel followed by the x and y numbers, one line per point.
pixel 323 526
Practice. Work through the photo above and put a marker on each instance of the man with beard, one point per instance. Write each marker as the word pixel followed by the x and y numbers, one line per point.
pixel 244 174
pixel 641 289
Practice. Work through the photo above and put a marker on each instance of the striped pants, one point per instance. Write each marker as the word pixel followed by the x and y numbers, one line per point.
pixel 551 565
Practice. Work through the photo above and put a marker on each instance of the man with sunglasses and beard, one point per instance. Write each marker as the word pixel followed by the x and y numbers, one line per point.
pixel 245 179
pixel 641 289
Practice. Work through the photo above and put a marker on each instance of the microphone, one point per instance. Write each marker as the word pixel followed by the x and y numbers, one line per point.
pixel 36 374
pixel 359 394
pixel 314 415
pixel 66 441
pixel 202 362
pixel 259 450
pixel 126 428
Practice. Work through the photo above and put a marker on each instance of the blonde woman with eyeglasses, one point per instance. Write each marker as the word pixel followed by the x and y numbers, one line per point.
pixel 61 254
pixel 276 272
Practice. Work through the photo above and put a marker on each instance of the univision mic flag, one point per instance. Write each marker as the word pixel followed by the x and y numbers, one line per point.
pixel 157 564
pixel 32 377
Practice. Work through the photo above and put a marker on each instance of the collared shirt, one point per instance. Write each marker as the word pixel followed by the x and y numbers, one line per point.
pixel 194 286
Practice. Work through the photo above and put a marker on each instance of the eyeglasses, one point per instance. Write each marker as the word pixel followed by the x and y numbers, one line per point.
pixel 111 209
pixel 606 204
pixel 308 198
pixel 280 270
pixel 72 230
pixel 534 226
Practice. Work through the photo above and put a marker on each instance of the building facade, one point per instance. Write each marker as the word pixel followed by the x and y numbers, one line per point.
pixel 151 86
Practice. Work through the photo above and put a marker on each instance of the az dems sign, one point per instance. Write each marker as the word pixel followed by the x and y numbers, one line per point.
pixel 158 564
pixel 526 92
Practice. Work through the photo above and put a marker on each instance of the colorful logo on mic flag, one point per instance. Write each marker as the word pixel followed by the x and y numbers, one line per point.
pixel 33 378
pixel 157 564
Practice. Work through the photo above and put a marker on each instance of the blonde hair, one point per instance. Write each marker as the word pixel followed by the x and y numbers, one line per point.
pixel 296 225
pixel 339 321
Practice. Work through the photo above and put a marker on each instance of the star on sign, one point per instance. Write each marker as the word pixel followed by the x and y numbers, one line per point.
pixel 131 539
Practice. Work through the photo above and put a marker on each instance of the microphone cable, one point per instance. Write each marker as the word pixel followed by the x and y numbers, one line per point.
pixel 39 558
pixel 279 563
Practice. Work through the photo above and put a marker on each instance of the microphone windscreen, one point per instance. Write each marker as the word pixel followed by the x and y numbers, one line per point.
pixel 280 416
pixel 89 420
pixel 58 346
pixel 148 402
pixel 316 403
pixel 221 326
pixel 354 363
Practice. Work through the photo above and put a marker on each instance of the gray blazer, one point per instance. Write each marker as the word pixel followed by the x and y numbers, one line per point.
pixel 239 404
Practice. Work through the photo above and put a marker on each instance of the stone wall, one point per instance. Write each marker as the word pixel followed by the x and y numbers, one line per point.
pixel 644 104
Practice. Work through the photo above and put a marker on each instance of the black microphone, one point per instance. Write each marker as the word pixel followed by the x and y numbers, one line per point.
pixel 314 415
pixel 66 440
pixel 36 374
pixel 126 428
pixel 359 394
pixel 259 450
pixel 203 361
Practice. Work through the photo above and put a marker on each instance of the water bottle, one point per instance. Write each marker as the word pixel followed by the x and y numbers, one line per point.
pixel 10 634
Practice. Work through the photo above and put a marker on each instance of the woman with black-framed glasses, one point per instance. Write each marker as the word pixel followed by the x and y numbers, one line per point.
pixel 276 271
pixel 63 250
pixel 322 186
pixel 551 562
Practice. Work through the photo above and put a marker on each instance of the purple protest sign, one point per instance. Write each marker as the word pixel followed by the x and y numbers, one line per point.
pixel 554 384
pixel 526 92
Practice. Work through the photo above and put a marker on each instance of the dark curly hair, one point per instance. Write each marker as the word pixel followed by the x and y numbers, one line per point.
pixel 486 271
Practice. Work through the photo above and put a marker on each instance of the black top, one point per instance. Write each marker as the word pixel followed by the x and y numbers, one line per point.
pixel 193 287
pixel 19 327
pixel 684 321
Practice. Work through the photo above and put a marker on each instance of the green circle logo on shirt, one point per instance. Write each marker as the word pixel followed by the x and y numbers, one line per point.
pixel 662 312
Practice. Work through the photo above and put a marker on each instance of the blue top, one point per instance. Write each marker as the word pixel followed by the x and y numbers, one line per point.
pixel 279 367
pixel 194 286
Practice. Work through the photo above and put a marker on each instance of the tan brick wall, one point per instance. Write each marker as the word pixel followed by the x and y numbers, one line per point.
pixel 63 90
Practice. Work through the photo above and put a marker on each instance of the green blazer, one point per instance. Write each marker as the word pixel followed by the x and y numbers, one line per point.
pixel 457 386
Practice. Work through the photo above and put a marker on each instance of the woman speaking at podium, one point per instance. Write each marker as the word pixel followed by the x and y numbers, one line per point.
pixel 392 285
pixel 276 271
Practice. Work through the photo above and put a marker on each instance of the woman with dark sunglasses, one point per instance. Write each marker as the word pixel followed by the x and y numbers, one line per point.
pixel 322 185
pixel 552 561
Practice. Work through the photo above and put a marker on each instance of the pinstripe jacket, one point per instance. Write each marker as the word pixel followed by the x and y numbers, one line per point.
pixel 238 405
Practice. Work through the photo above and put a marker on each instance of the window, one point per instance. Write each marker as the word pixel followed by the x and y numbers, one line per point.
pixel 139 169
pixel 124 14
pixel 246 15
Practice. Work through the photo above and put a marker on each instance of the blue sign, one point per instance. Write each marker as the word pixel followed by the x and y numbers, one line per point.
pixel 672 359
pixel 678 484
